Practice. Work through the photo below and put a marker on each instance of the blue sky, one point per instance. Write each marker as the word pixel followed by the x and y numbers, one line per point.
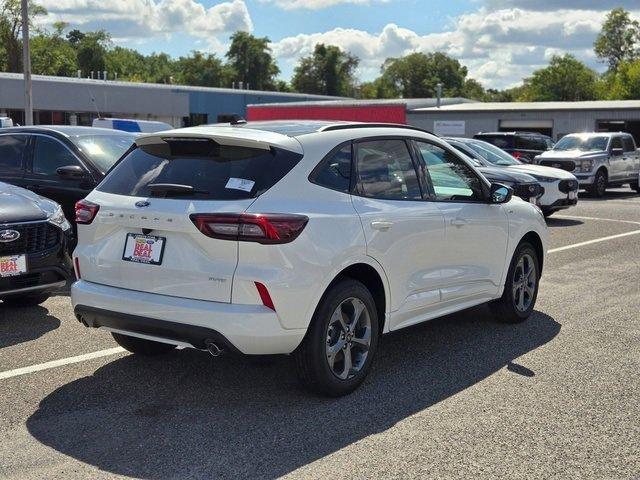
pixel 500 41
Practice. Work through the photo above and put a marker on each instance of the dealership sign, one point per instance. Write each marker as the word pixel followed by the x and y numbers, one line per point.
pixel 448 127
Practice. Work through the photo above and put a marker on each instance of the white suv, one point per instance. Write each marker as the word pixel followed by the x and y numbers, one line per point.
pixel 303 238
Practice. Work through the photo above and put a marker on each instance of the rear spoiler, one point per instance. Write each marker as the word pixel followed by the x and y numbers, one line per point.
pixel 234 138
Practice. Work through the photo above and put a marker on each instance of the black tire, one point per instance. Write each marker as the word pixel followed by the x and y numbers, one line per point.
pixel 505 308
pixel 599 187
pixel 141 346
pixel 635 186
pixel 23 301
pixel 311 356
pixel 547 213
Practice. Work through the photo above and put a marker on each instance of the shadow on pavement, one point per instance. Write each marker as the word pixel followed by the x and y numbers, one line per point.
pixel 187 415
pixel 609 195
pixel 19 325
pixel 562 222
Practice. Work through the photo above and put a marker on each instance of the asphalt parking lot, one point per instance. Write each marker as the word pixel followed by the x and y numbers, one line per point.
pixel 459 397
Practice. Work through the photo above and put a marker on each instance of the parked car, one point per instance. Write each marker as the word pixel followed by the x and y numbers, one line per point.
pixel 33 247
pixel 560 187
pixel 62 163
pixel 524 185
pixel 523 146
pixel 300 237
pixel 598 160
pixel 5 122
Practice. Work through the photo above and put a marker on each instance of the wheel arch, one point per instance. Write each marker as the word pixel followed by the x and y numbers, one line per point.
pixel 534 239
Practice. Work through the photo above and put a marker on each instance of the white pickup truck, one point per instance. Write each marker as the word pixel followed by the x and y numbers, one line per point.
pixel 598 160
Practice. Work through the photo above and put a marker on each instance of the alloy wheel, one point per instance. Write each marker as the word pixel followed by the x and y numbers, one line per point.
pixel 348 338
pixel 524 282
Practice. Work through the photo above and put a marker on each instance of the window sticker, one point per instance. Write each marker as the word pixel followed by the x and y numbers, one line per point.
pixel 240 184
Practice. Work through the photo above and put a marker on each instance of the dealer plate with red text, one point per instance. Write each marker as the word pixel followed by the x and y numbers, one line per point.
pixel 13 265
pixel 143 249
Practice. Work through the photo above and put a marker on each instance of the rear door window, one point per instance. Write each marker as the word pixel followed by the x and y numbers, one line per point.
pixel 527 143
pixel 12 148
pixel 628 145
pixel 386 171
pixel 198 169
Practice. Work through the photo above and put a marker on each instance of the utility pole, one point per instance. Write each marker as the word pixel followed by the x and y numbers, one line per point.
pixel 26 65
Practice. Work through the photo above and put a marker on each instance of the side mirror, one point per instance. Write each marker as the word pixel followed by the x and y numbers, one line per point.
pixel 616 152
pixel 71 172
pixel 500 193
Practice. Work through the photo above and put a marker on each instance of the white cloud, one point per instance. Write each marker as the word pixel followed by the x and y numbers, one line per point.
pixel 500 47
pixel 316 4
pixel 144 18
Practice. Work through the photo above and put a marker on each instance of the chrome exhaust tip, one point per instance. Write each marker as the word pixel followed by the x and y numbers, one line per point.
pixel 213 348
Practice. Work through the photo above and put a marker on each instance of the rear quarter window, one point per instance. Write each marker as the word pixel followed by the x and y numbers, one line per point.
pixel 214 171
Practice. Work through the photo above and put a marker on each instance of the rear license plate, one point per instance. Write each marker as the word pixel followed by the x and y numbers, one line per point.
pixel 573 195
pixel 143 249
pixel 13 265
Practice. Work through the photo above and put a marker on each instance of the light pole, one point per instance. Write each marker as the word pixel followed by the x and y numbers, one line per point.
pixel 26 65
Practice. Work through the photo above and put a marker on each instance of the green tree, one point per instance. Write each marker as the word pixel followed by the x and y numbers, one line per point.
pixel 159 68
pixel 417 75
pixel 378 88
pixel 127 63
pixel 11 31
pixel 91 49
pixel 619 39
pixel 473 89
pixel 251 60
pixel 52 54
pixel 328 71
pixel 624 84
pixel 565 79
pixel 203 70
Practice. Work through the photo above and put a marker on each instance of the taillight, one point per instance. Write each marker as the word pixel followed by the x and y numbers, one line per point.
pixel 86 211
pixel 264 296
pixel 267 228
pixel 516 155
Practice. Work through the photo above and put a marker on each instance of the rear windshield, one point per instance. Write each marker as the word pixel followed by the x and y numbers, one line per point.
pixel 198 170
pixel 500 141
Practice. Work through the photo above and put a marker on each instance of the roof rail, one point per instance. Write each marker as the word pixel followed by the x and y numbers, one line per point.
pixel 347 126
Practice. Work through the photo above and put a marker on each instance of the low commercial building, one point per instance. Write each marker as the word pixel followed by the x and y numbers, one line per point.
pixel 77 101
pixel 555 119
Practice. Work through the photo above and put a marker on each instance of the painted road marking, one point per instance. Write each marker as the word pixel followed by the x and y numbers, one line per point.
pixel 596 240
pixel 59 363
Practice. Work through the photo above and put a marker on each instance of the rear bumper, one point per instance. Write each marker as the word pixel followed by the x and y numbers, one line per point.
pixel 247 329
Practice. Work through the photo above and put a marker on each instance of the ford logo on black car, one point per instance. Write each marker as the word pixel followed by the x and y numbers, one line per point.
pixel 7 236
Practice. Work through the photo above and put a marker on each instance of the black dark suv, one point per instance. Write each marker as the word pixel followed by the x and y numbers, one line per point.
pixel 34 237
pixel 62 163
pixel 524 146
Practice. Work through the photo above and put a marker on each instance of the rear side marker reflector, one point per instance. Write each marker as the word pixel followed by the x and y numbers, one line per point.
pixel 76 266
pixel 267 228
pixel 264 296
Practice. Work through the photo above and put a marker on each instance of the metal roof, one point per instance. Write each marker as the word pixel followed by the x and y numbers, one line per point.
pixel 67 130
pixel 161 86
pixel 408 103
pixel 520 106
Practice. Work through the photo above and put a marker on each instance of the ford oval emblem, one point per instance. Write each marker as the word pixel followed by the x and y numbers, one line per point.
pixel 7 236
pixel 142 204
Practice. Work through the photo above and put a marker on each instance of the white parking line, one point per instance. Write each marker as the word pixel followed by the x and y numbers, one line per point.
pixel 596 240
pixel 59 363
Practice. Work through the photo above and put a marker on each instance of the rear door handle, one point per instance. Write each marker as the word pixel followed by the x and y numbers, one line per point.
pixel 459 222
pixel 381 225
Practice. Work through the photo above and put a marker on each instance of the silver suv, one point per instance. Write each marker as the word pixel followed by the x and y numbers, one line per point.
pixel 598 160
